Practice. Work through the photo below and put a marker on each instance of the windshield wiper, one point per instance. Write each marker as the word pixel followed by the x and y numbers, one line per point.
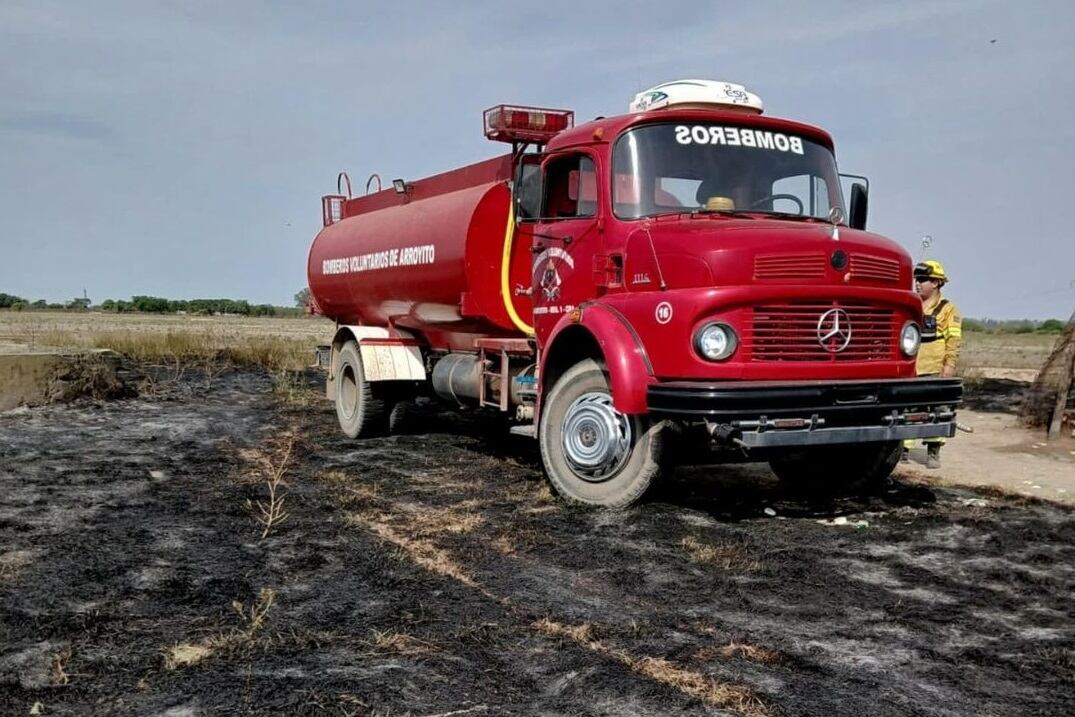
pixel 789 215
pixel 694 213
pixel 721 212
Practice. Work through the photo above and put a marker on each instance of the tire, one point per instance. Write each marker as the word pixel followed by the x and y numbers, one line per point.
pixel 399 416
pixel 592 453
pixel 838 468
pixel 359 412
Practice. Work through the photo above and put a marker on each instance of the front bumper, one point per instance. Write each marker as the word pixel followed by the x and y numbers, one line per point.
pixel 761 414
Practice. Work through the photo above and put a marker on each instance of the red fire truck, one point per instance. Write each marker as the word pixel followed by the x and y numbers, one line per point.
pixel 685 272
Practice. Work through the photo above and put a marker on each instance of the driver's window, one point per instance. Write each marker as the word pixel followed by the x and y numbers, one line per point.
pixel 570 187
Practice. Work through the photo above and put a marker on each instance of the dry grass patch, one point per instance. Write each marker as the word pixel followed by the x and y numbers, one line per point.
pixel 189 347
pixel 399 642
pixel 747 651
pixel 430 522
pixel 728 556
pixel 185 655
pixel 169 347
pixel 1016 351
pixel 504 545
pixel 363 494
pixel 58 668
pixel 255 615
pixel 290 389
pixel 12 563
pixel 419 520
pixel 540 493
pixel 712 692
pixel 351 490
pixel 272 353
pixel 582 634
pixel 465 523
pixel 253 618
pixel 419 551
pixel 517 540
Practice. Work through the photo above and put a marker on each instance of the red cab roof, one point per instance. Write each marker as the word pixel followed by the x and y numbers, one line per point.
pixel 611 127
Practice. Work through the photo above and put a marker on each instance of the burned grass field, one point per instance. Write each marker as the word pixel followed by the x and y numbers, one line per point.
pixel 215 547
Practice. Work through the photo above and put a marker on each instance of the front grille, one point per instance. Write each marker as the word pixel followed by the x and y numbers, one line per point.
pixel 789 332
pixel 790 266
pixel 875 268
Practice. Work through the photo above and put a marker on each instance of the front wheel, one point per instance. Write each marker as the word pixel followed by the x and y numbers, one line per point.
pixel 835 468
pixel 592 453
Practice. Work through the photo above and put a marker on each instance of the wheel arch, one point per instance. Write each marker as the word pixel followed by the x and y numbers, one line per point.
pixel 387 354
pixel 602 334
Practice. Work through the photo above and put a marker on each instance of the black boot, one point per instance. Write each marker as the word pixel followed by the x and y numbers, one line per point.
pixel 933 455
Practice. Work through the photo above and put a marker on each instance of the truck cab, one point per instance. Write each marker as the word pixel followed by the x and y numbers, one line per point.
pixel 701 258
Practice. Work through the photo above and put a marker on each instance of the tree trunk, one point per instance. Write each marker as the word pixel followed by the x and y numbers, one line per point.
pixel 1062 393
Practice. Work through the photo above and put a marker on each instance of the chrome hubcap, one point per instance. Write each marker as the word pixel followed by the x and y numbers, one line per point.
pixel 596 437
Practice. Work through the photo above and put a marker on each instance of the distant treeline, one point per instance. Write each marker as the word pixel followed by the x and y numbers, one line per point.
pixel 1014 326
pixel 156 305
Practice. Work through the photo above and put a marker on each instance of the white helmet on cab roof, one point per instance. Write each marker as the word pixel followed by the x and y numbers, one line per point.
pixel 708 94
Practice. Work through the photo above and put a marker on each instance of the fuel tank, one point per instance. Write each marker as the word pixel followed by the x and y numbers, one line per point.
pixel 427 259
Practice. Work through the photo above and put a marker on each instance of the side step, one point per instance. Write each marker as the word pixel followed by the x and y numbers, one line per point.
pixel 529 430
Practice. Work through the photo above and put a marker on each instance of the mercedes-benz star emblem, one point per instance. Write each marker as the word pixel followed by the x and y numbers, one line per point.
pixel 834 330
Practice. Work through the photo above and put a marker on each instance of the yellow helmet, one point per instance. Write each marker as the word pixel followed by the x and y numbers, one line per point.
pixel 930 269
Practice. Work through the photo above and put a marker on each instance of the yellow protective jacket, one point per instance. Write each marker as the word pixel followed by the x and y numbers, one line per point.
pixel 944 351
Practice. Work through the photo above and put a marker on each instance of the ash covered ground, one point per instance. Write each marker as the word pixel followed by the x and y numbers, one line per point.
pixel 434 574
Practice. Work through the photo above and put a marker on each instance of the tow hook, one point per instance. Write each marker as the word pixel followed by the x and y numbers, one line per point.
pixel 723 433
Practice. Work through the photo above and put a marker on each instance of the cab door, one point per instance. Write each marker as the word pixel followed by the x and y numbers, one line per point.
pixel 565 238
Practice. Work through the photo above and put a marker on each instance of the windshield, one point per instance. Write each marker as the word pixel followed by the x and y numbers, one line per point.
pixel 691 167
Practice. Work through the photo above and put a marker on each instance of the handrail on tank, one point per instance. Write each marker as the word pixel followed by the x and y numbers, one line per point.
pixel 372 177
pixel 343 177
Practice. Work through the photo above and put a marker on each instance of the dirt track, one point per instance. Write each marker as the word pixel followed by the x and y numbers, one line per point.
pixel 434 574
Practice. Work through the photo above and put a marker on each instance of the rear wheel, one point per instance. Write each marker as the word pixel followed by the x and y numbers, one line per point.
pixel 835 468
pixel 592 453
pixel 359 411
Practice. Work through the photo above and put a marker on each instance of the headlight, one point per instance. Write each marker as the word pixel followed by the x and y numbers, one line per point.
pixel 910 339
pixel 716 342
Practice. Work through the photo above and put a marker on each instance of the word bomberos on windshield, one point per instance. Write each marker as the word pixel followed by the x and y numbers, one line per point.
pixel 738 137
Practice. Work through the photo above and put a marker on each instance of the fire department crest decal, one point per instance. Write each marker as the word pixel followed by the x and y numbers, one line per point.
pixel 550 282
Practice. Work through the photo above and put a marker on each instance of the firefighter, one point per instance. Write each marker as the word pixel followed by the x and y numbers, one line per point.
pixel 942 333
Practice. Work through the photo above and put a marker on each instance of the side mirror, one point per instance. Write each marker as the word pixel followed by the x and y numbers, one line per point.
pixel 859 202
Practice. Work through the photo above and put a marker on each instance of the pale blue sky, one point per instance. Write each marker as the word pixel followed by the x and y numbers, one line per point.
pixel 180 149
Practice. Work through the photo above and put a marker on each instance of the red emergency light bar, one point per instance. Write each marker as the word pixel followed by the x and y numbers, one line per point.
pixel 511 123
